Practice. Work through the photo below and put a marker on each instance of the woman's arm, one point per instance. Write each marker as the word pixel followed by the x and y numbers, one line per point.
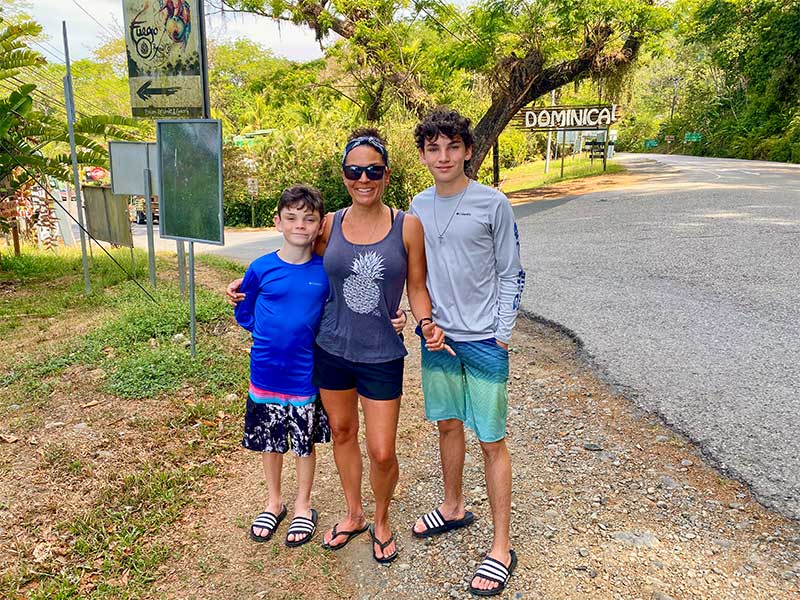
pixel 416 288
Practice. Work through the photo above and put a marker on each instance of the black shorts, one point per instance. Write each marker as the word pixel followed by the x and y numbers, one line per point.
pixel 376 381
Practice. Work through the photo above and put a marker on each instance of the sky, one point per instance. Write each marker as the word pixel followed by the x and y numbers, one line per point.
pixel 286 40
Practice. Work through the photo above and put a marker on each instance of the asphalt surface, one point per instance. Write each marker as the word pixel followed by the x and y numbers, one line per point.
pixel 684 291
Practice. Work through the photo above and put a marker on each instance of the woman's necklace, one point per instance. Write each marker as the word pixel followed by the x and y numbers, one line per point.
pixel 371 233
pixel 450 220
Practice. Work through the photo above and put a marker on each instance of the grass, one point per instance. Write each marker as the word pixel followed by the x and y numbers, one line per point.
pixel 532 175
pixel 222 265
pixel 112 551
pixel 112 542
pixel 44 285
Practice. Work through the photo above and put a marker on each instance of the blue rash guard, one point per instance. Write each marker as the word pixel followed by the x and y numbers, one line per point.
pixel 282 309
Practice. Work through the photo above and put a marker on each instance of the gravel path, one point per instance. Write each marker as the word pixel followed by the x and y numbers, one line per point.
pixel 608 503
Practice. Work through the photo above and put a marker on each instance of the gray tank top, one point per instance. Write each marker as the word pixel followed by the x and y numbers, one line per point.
pixel 366 285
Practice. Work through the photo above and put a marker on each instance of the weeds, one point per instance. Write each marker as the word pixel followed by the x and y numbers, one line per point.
pixel 132 344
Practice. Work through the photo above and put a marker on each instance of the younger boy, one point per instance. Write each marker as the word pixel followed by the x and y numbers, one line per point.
pixel 475 281
pixel 284 293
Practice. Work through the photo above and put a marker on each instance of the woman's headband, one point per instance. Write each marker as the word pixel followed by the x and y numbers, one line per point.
pixel 366 140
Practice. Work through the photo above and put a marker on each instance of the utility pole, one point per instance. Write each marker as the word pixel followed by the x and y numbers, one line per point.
pixel 549 135
pixel 70 102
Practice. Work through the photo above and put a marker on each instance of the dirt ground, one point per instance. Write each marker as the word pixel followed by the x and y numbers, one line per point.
pixel 608 503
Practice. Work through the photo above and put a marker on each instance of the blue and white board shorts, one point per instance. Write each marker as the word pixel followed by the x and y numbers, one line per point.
pixel 471 386
pixel 272 419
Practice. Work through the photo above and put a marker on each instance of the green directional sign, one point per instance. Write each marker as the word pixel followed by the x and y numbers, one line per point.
pixel 692 137
pixel 650 143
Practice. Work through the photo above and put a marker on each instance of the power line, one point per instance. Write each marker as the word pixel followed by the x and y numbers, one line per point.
pixel 58 84
pixel 59 56
pixel 91 16
pixel 459 18
pixel 440 24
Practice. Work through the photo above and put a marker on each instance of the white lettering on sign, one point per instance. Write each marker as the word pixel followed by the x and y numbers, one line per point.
pixel 564 117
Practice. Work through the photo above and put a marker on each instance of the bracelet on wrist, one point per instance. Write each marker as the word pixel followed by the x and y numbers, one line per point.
pixel 423 320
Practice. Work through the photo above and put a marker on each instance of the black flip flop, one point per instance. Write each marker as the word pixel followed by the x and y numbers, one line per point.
pixel 350 535
pixel 302 525
pixel 266 520
pixel 493 570
pixel 436 523
pixel 382 545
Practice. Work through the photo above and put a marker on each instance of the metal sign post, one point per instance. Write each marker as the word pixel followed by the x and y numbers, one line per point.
pixel 549 135
pixel 192 319
pixel 181 267
pixel 148 207
pixel 70 102
pixel 252 189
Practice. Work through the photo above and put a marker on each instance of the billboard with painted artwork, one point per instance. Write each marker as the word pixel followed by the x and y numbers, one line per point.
pixel 164 44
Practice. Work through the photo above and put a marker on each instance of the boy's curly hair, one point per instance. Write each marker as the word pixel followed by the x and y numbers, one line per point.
pixel 443 121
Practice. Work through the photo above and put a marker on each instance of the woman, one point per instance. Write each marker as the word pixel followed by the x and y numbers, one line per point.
pixel 370 251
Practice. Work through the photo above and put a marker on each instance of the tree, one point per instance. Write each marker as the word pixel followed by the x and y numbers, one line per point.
pixel 33 142
pixel 525 49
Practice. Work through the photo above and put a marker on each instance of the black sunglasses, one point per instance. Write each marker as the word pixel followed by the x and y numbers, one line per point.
pixel 374 172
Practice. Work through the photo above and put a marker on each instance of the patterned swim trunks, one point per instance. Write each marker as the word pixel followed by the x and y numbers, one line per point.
pixel 470 386
pixel 274 419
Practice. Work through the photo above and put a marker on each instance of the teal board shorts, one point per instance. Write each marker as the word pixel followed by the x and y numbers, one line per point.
pixel 470 386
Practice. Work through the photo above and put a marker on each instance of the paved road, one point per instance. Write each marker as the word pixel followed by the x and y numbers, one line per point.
pixel 684 290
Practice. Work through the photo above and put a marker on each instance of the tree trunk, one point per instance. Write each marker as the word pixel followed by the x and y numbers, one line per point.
pixel 528 81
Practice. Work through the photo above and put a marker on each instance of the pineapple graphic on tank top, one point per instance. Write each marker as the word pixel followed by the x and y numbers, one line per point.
pixel 361 291
pixel 366 286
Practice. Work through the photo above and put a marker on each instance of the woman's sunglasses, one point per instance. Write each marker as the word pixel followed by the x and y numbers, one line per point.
pixel 374 172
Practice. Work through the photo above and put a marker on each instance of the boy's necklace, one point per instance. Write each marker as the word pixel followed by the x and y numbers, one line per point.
pixel 450 220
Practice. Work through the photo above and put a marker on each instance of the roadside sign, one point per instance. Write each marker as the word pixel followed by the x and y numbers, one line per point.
pixel 669 138
pixel 692 137
pixel 252 186
pixel 650 143
pixel 107 216
pixel 190 167
pixel 165 47
pixel 128 161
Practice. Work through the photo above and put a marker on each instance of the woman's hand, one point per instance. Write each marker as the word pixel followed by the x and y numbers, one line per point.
pixel 232 294
pixel 434 338
pixel 399 322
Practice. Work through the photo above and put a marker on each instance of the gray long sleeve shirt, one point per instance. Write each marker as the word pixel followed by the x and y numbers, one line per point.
pixel 475 277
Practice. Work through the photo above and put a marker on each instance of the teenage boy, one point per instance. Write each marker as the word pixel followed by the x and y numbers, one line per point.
pixel 284 293
pixel 475 280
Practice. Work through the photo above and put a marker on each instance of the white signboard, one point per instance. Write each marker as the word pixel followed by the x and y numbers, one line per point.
pixel 568 117
pixel 128 162
pixel 252 186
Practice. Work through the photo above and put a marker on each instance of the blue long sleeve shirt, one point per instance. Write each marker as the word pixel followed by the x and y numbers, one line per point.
pixel 282 309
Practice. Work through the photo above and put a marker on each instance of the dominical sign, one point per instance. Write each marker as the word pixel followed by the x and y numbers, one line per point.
pixel 692 137
pixel 569 118
pixel 164 43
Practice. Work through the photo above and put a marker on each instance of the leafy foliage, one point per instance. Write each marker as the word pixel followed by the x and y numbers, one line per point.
pixel 733 69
